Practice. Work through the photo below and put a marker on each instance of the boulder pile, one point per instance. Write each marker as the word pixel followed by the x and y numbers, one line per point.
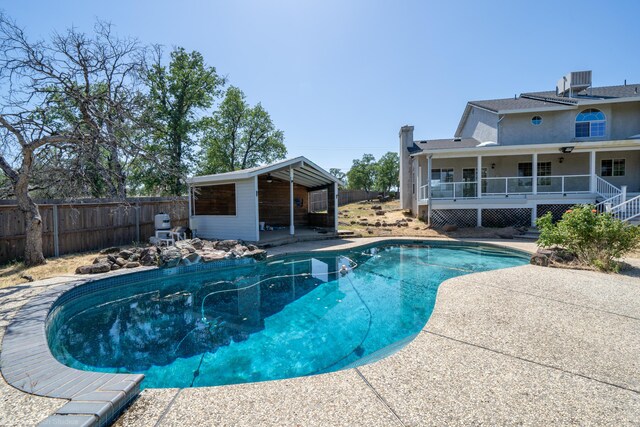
pixel 185 252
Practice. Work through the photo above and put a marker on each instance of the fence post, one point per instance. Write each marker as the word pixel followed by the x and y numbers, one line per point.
pixel 56 247
pixel 137 209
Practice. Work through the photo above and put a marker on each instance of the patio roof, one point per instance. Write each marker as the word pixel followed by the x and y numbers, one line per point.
pixel 306 173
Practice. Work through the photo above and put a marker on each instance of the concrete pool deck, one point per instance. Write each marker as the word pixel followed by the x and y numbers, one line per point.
pixel 520 346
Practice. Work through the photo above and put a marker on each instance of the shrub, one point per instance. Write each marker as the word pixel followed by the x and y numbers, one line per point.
pixel 596 239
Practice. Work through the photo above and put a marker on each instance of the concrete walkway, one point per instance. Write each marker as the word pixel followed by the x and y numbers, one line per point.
pixel 519 346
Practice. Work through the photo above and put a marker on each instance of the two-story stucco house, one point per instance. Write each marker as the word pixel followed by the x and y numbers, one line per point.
pixel 512 160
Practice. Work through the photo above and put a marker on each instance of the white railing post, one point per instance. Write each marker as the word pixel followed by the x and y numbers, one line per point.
pixel 479 178
pixel 534 170
pixel 623 193
pixel 562 183
pixel 429 164
pixel 592 171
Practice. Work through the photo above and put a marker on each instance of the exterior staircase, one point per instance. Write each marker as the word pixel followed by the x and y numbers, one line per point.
pixel 615 202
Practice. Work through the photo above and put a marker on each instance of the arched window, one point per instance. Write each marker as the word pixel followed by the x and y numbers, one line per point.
pixel 590 123
pixel 536 120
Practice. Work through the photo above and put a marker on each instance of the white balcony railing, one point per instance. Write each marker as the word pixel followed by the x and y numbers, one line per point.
pixel 506 186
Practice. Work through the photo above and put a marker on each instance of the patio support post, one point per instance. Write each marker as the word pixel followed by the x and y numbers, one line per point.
pixel 429 189
pixel 257 201
pixel 479 218
pixel 534 172
pixel 592 171
pixel 534 215
pixel 479 180
pixel 189 207
pixel 335 206
pixel 419 180
pixel 291 216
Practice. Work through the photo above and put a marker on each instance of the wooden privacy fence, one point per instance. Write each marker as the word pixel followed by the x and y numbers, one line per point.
pixel 85 225
pixel 349 196
pixel 318 199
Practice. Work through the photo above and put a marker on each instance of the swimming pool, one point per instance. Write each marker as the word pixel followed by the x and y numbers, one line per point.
pixel 288 316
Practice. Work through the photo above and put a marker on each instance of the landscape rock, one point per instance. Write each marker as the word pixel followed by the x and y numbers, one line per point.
pixel 185 247
pixel 215 255
pixel 449 227
pixel 506 233
pixel 257 254
pixel 101 267
pixel 197 243
pixel 376 207
pixel 125 254
pixel 380 212
pixel 121 262
pixel 225 245
pixel 111 250
pixel 192 258
pixel 132 265
pixel 101 260
pixel 134 257
pixel 115 267
pixel 149 256
pixel 541 257
pixel 170 257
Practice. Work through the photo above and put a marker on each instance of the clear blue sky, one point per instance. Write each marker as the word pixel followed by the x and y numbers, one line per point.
pixel 341 77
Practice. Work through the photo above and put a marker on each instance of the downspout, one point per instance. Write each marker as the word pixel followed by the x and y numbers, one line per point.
pixel 498 128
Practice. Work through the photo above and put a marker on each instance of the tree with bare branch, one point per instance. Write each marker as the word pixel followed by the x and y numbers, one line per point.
pixel 73 98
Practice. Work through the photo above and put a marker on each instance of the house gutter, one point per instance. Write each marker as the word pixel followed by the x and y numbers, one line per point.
pixel 580 146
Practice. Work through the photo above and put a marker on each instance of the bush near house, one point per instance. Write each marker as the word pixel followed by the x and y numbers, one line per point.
pixel 596 239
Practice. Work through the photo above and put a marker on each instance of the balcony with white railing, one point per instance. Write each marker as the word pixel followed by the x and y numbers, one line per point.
pixel 499 187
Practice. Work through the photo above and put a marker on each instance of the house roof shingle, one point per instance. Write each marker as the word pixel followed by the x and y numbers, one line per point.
pixel 532 100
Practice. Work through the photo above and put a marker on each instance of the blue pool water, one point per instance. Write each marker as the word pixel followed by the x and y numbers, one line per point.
pixel 285 317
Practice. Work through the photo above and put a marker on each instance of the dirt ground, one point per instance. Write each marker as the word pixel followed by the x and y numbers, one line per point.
pixel 11 274
pixel 362 219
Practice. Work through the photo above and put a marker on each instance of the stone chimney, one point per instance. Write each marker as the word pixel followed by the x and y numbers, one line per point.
pixel 406 167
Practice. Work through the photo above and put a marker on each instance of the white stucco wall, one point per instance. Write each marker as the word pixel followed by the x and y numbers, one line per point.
pixel 481 125
pixel 623 121
pixel 242 225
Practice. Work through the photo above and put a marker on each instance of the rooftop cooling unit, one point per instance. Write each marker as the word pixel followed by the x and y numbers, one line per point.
pixel 574 82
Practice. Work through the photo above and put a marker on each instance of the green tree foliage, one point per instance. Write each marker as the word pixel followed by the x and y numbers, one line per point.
pixel 177 94
pixel 388 172
pixel 338 174
pixel 596 239
pixel 239 136
pixel 362 175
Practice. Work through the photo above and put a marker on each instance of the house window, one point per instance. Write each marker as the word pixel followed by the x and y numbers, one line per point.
pixel 536 120
pixel 612 167
pixel 215 200
pixel 442 175
pixel 544 169
pixel 590 123
pixel 526 170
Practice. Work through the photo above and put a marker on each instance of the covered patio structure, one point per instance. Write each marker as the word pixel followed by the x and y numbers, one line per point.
pixel 265 204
